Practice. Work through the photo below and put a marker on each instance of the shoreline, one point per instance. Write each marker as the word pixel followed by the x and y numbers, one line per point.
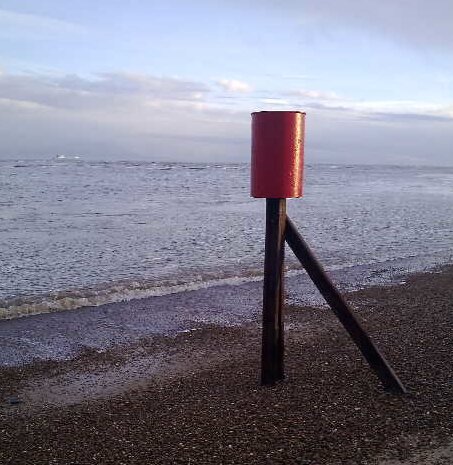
pixel 63 335
pixel 123 292
pixel 194 397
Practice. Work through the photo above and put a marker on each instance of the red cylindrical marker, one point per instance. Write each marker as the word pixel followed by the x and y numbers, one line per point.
pixel 277 154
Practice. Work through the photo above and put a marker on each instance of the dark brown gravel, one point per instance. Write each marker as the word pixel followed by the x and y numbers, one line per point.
pixel 209 408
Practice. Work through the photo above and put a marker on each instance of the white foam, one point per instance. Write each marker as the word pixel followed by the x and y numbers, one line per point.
pixel 112 294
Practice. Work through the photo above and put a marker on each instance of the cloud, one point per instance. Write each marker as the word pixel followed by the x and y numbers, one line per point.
pixel 315 95
pixel 275 101
pixel 233 85
pixel 389 110
pixel 344 130
pixel 403 110
pixel 337 137
pixel 104 90
pixel 23 25
pixel 133 116
pixel 406 117
pixel 134 83
pixel 416 22
pixel 115 115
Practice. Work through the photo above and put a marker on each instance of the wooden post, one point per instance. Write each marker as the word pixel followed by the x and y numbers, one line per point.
pixel 272 367
pixel 276 174
pixel 342 310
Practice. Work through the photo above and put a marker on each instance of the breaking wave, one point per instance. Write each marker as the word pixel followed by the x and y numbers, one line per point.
pixel 120 291
pixel 108 294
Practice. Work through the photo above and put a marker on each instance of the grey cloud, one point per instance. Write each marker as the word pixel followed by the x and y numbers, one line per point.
pixel 130 84
pixel 313 95
pixel 30 26
pixel 28 134
pixel 321 106
pixel 381 116
pixel 156 118
pixel 408 117
pixel 406 111
pixel 335 137
pixel 415 22
pixel 114 115
pixel 343 131
pixel 74 92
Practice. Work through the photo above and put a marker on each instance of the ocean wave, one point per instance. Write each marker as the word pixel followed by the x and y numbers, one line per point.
pixel 127 290
pixel 110 293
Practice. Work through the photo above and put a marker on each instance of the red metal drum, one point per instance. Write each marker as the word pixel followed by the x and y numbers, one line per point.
pixel 277 154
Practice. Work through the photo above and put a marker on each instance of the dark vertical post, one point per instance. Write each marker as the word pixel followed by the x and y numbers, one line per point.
pixel 272 366
pixel 342 310
pixel 276 174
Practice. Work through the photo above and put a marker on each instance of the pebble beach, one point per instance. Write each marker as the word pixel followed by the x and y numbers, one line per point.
pixel 195 397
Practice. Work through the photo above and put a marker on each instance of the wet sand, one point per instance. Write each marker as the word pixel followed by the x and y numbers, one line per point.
pixel 194 397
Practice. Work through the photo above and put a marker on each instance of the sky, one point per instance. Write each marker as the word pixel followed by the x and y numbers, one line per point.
pixel 177 80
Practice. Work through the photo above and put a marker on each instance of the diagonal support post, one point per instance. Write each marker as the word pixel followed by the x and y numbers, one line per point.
pixel 342 310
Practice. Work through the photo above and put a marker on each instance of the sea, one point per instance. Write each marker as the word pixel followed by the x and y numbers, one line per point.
pixel 77 233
